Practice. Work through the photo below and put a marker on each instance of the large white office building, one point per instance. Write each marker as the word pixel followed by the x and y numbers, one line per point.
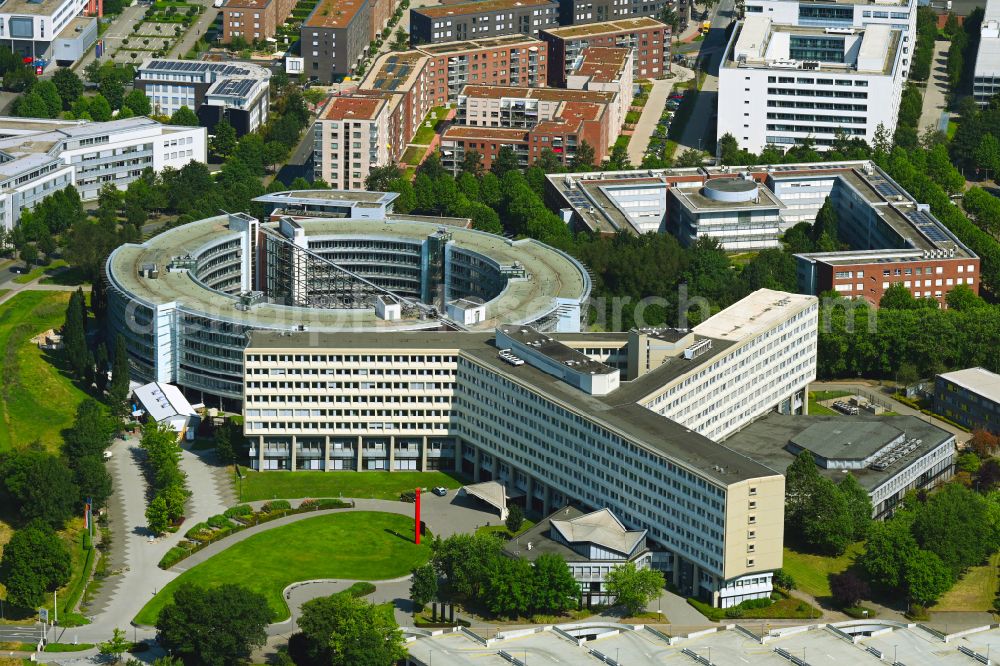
pixel 986 75
pixel 624 421
pixel 38 157
pixel 796 71
pixel 53 29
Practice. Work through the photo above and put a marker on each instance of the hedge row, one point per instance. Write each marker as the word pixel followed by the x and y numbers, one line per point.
pixel 203 534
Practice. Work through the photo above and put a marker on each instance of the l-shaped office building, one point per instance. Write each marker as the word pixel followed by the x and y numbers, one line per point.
pixel 624 421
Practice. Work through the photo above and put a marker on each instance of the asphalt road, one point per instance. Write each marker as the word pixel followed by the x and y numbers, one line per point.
pixel 699 134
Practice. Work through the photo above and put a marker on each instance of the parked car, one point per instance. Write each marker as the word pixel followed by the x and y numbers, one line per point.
pixel 440 491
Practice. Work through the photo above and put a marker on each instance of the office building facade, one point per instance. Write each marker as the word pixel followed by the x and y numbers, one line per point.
pixel 40 156
pixel 47 30
pixel 240 93
pixel 544 416
pixel 969 397
pixel 476 20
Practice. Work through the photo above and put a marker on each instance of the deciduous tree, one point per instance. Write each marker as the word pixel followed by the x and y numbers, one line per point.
pixel 35 562
pixel 634 588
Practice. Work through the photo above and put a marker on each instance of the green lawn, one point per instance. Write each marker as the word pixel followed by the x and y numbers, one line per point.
pixel 375 485
pixel 975 591
pixel 360 545
pixel 413 154
pixel 39 271
pixel 812 572
pixel 817 409
pixel 502 529
pixel 37 401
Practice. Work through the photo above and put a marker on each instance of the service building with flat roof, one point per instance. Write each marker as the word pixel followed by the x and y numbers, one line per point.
pixel 888 455
pixel 986 74
pixel 461 21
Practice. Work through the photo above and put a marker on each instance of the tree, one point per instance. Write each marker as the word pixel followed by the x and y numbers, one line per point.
pixel 888 550
pixel 224 139
pixel 74 335
pixel 515 518
pixel 801 479
pixel 35 562
pixel 213 627
pixel 505 161
pixel 962 298
pixel 39 486
pixel 859 506
pixel 138 102
pixel 69 86
pixel 116 647
pixel 554 589
pixel 226 438
pixel 423 585
pixel 987 155
pixel 32 106
pixel 634 588
pixel 50 95
pixel 157 515
pixel 344 631
pixel 184 116
pixel 828 525
pixel 472 163
pixel 99 108
pixel 175 496
pixel 274 153
pixel 848 589
pixel 583 159
pixel 690 158
pixel 29 255
pixel 380 178
pixel 465 559
pixel 92 478
pixel 927 577
pixel 508 589
pixel 118 388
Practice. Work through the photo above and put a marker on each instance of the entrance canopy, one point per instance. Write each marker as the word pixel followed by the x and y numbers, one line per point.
pixel 493 493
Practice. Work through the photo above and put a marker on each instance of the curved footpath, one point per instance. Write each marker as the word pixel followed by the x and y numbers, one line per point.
pixel 444 516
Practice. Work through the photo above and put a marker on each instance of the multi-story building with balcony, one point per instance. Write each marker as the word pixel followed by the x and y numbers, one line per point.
pixel 334 38
pixel 352 135
pixel 623 421
pixel 409 84
pixel 580 12
pixel 648 39
pixel 485 18
pixel 253 20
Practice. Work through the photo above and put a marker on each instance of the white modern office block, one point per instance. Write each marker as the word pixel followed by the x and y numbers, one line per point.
pixel 986 75
pixel 783 84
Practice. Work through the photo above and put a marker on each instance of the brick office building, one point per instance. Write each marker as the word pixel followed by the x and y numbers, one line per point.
pixel 486 18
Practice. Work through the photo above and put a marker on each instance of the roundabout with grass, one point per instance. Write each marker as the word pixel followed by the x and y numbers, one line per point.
pixel 356 545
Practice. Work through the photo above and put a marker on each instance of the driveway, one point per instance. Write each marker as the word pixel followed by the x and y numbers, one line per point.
pixel 651 113
pixel 935 95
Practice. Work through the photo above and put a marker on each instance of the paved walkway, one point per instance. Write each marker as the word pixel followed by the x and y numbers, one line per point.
pixel 651 113
pixel 936 93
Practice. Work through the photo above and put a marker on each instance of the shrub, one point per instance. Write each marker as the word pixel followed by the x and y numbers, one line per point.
pixel 87 542
pixel 360 589
pixel 275 505
pixel 172 557
pixel 332 504
pixel 195 530
pixel 238 511
pixel 408 496
pixel 734 612
pixel 219 521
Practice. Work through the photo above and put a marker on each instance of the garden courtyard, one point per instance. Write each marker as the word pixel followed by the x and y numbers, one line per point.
pixel 356 545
